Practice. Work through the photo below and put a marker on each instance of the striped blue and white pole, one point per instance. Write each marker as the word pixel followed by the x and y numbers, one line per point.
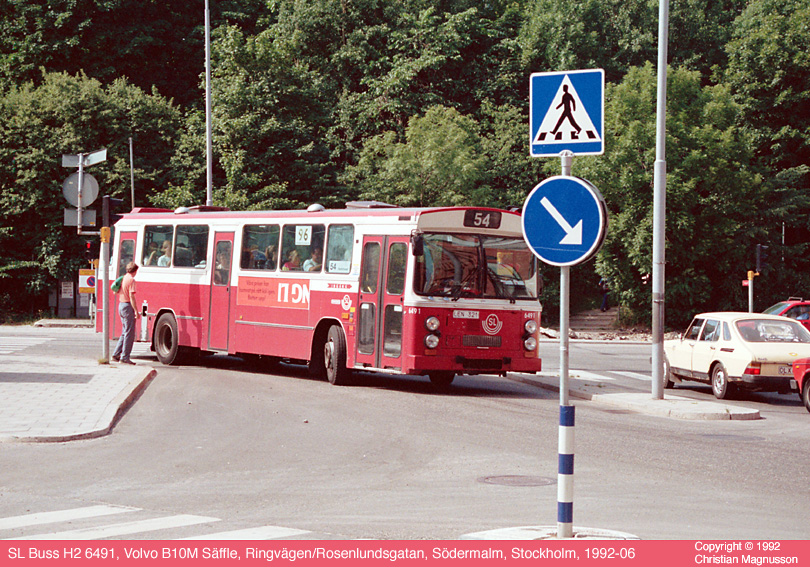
pixel 565 474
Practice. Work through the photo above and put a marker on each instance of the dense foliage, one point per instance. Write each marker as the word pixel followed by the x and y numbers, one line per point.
pixel 417 102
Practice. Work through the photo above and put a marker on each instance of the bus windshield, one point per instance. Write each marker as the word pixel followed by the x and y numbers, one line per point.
pixel 471 265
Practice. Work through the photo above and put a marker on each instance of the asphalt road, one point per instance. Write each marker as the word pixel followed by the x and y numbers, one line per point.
pixel 389 458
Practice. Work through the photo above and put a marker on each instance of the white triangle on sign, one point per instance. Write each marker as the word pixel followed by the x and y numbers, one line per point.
pixel 566 119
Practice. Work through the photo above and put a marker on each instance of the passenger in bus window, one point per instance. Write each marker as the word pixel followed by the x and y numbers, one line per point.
pixel 150 257
pixel 257 259
pixel 314 263
pixel 166 249
pixel 271 257
pixel 223 267
pixel 293 262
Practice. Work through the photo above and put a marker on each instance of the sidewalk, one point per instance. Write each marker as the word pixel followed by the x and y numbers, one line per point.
pixel 54 399
pixel 672 406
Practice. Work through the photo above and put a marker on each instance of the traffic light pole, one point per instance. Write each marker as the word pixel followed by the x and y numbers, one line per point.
pixel 105 287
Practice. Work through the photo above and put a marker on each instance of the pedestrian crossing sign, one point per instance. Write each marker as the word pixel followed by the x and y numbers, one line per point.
pixel 567 112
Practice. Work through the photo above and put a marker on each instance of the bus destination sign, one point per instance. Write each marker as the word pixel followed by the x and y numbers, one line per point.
pixel 482 219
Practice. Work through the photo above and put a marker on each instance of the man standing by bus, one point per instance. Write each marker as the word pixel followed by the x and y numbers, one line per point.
pixel 128 310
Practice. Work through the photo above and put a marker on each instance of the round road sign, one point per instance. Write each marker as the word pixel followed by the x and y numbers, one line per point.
pixel 70 189
pixel 564 220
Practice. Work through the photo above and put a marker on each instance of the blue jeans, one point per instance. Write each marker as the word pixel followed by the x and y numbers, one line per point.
pixel 124 347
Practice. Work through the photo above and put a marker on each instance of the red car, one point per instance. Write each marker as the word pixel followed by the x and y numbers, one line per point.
pixel 795 308
pixel 801 373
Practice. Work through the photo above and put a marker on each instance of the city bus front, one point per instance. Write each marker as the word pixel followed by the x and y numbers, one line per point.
pixel 474 305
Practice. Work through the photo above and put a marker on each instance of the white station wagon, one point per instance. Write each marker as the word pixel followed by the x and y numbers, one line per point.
pixel 729 350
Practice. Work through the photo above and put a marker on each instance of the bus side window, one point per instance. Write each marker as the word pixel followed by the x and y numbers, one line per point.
pixel 157 246
pixel 191 246
pixel 301 246
pixel 259 247
pixel 395 279
pixel 126 256
pixel 222 265
pixel 371 265
pixel 339 248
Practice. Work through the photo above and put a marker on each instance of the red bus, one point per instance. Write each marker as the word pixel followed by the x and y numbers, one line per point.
pixel 417 291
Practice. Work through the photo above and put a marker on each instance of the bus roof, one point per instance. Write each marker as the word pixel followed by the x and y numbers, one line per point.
pixel 204 212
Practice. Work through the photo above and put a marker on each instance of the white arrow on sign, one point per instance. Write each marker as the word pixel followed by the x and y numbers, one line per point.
pixel 573 235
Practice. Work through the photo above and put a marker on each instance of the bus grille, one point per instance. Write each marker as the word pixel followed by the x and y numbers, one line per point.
pixel 481 341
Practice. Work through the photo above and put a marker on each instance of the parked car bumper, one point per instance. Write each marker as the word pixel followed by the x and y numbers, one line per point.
pixel 759 383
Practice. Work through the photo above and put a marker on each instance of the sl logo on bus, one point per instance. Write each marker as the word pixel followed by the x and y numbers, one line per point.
pixel 492 325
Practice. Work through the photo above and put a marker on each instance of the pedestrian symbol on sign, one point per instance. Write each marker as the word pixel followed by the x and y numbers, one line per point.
pixel 566 107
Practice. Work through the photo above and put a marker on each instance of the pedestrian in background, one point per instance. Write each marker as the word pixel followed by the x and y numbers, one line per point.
pixel 128 310
pixel 604 288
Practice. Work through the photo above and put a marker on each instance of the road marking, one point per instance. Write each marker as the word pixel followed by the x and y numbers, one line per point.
pixel 264 532
pixel 634 375
pixel 9 345
pixel 41 518
pixel 126 528
pixel 585 375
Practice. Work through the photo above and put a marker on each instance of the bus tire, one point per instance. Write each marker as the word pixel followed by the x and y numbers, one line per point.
pixel 334 357
pixel 442 379
pixel 167 347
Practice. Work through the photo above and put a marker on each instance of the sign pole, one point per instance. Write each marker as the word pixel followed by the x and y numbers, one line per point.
pixel 80 183
pixel 565 218
pixel 565 470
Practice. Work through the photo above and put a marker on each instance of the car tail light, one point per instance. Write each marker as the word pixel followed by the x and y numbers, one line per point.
pixel 753 369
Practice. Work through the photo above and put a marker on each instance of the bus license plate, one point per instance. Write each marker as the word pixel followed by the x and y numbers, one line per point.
pixel 464 314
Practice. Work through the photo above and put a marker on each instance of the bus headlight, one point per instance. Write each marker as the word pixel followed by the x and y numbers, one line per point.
pixel 431 341
pixel 530 326
pixel 530 343
pixel 432 323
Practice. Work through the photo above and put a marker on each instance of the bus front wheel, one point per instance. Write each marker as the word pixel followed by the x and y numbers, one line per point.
pixel 167 347
pixel 334 357
pixel 442 379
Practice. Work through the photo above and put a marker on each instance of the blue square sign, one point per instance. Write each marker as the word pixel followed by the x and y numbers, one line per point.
pixel 567 112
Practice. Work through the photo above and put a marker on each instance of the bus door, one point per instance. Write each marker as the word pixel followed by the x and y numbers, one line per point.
pixel 382 283
pixel 126 254
pixel 219 315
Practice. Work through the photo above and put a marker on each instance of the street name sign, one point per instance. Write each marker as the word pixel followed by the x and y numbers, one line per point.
pixel 567 112
pixel 564 220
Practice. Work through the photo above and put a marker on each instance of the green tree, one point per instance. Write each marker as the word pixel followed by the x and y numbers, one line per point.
pixel 68 115
pixel 619 34
pixel 769 72
pixel 714 198
pixel 441 162
pixel 149 42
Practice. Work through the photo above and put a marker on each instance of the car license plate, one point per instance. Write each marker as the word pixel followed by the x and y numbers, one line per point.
pixel 785 370
pixel 465 314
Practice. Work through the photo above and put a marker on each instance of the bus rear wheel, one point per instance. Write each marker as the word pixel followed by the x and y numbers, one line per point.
pixel 334 357
pixel 167 347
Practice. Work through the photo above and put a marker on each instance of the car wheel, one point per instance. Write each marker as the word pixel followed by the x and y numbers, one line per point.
pixel 167 348
pixel 806 393
pixel 720 385
pixel 334 357
pixel 667 379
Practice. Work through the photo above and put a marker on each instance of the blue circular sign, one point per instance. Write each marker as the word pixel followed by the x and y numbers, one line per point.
pixel 564 220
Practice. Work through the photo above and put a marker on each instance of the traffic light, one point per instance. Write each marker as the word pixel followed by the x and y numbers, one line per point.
pixel 762 257
pixel 108 205
pixel 91 249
